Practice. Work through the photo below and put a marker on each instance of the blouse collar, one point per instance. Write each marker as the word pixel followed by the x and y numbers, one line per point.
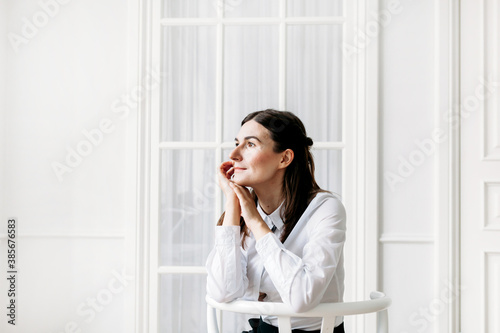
pixel 272 219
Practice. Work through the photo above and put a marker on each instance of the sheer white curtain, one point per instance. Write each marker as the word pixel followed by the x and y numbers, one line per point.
pixel 248 78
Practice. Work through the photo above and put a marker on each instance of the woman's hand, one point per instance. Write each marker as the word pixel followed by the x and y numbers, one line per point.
pixel 232 211
pixel 249 211
pixel 226 171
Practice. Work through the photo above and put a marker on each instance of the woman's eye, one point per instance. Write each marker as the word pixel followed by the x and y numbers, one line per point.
pixel 251 144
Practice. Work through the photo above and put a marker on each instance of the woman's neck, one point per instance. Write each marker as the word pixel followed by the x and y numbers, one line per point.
pixel 270 198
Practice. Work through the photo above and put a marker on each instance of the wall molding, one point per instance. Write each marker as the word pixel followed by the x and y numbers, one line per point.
pixel 389 238
pixel 143 175
pixel 252 20
pixel 447 162
pixel 490 267
pixel 490 193
pixel 489 106
pixel 366 150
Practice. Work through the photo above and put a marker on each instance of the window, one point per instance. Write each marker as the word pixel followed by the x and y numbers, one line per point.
pixel 221 60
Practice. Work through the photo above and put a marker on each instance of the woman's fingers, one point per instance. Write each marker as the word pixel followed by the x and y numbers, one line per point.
pixel 227 169
pixel 224 169
pixel 235 187
pixel 230 173
pixel 248 209
pixel 242 192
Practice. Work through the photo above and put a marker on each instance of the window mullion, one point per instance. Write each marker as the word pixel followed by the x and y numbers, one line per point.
pixel 282 55
pixel 219 88
pixel 154 63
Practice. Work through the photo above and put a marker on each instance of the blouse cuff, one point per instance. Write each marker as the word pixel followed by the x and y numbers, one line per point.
pixel 227 235
pixel 267 245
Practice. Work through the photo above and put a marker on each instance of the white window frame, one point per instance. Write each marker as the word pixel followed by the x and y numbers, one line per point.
pixel 359 144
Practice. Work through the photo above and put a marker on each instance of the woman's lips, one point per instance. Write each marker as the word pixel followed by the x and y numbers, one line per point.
pixel 238 169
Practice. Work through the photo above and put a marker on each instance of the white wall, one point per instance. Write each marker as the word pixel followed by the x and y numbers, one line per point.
pixel 62 80
pixel 408 220
pixel 75 230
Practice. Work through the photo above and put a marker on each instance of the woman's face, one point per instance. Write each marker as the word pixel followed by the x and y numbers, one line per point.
pixel 255 162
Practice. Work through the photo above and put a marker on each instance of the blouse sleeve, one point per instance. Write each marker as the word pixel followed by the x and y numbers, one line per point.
pixel 226 266
pixel 302 281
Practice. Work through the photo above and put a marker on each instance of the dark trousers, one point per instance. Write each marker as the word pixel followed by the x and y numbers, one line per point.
pixel 259 326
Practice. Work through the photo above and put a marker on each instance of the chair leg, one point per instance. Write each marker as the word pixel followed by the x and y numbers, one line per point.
pixel 328 324
pixel 212 321
pixel 382 322
pixel 284 325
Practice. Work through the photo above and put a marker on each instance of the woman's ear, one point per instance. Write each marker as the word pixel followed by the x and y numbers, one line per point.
pixel 286 158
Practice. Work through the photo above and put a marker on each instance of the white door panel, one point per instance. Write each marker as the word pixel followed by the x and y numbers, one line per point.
pixel 480 167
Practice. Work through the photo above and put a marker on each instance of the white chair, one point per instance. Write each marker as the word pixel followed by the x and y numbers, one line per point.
pixel 328 311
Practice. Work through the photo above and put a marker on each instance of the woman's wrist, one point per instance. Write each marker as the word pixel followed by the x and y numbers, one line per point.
pixel 259 228
pixel 232 213
pixel 232 203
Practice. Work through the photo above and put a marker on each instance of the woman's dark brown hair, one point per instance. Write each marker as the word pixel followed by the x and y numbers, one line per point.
pixel 299 186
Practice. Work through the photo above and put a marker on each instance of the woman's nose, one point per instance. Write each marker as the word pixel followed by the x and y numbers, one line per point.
pixel 235 154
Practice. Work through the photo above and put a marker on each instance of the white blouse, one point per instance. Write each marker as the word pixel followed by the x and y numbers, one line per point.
pixel 305 270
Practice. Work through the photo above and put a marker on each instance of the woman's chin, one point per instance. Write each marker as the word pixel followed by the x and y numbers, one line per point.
pixel 240 182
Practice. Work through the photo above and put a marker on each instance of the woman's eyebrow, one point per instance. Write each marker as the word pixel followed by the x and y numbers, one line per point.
pixel 249 137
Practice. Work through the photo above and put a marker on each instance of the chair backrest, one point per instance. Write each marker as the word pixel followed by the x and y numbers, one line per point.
pixel 328 311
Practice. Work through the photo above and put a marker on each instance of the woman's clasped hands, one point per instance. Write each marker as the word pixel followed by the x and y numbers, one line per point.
pixel 240 202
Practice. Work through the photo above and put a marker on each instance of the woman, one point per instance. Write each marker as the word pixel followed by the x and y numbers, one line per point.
pixel 283 241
